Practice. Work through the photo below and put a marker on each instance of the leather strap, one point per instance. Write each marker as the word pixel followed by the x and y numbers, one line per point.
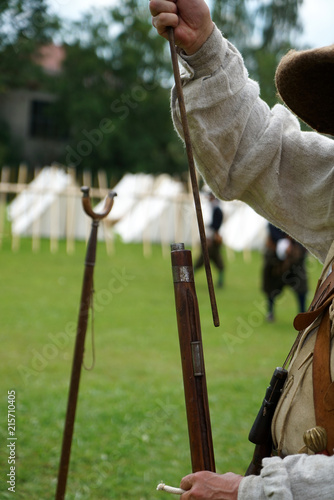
pixel 322 297
pixel 323 291
pixel 323 387
pixel 303 320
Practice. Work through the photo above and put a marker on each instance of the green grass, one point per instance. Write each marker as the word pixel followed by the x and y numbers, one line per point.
pixel 130 429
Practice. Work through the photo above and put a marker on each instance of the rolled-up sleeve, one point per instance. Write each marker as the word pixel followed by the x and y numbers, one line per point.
pixel 297 477
pixel 247 151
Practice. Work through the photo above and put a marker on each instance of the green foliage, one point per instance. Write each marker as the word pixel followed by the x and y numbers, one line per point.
pixel 130 430
pixel 111 98
pixel 263 33
pixel 113 94
pixel 280 20
pixel 24 26
pixel 234 20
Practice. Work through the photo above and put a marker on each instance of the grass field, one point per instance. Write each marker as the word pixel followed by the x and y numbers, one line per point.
pixel 130 429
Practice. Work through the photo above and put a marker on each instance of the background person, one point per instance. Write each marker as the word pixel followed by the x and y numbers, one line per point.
pixel 284 264
pixel 214 239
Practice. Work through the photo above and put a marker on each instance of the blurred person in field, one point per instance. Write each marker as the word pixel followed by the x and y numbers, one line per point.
pixel 284 264
pixel 214 239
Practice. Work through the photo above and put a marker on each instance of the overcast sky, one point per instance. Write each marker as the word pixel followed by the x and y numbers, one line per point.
pixel 318 21
pixel 317 16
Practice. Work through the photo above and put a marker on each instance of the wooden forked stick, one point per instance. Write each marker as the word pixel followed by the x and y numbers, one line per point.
pixel 85 303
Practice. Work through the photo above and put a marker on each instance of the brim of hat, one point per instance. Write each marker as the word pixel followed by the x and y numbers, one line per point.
pixel 305 82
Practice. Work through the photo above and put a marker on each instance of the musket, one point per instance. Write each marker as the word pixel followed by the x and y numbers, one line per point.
pixel 192 360
pixel 85 303
pixel 187 312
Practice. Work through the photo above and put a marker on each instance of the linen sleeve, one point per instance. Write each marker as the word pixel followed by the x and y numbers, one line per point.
pixel 245 150
pixel 297 477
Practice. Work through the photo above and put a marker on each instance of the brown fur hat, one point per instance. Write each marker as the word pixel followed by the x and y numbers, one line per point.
pixel 305 82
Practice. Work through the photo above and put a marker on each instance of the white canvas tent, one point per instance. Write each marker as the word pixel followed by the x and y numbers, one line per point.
pixel 51 207
pixel 48 207
pixel 131 189
pixel 243 228
pixel 147 208
pixel 164 215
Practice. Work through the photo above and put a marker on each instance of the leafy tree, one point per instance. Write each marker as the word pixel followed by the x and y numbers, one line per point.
pixel 263 32
pixel 24 26
pixel 111 94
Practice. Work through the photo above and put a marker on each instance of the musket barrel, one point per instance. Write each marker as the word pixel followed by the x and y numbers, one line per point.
pixel 192 360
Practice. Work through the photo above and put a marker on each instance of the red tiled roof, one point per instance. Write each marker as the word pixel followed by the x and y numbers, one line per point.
pixel 51 57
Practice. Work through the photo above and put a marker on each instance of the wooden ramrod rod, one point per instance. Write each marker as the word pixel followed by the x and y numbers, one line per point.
pixel 193 178
pixel 192 359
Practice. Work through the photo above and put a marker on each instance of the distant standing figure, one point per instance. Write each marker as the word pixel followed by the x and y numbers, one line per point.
pixel 214 239
pixel 284 265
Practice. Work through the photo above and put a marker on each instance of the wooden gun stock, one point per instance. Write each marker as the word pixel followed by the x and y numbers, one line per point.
pixel 260 433
pixel 192 359
pixel 261 451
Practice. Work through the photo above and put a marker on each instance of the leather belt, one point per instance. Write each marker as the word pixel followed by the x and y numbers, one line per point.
pixel 323 387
